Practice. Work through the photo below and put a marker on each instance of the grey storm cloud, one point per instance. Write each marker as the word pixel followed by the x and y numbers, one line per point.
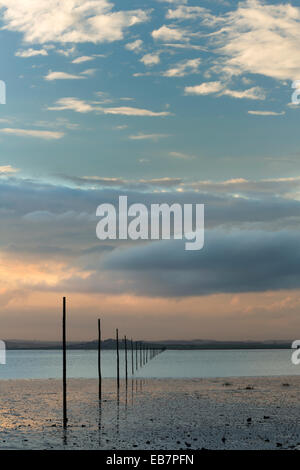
pixel 230 262
pixel 251 244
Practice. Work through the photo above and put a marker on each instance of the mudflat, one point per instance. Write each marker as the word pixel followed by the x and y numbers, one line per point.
pixel 231 413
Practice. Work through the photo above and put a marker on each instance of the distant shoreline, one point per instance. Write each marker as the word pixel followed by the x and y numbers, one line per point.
pixel 170 348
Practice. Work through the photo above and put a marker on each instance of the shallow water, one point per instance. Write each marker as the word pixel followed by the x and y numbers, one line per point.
pixel 25 364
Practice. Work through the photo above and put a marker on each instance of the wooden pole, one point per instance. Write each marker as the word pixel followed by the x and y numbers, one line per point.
pixel 99 359
pixel 118 359
pixel 126 362
pixel 141 364
pixel 65 419
pixel 132 364
pixel 136 355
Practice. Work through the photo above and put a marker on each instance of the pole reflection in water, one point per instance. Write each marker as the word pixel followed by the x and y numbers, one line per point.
pixel 100 421
pixel 118 413
pixel 65 437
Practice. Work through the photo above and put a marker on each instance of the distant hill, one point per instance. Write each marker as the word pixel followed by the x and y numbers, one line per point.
pixel 169 344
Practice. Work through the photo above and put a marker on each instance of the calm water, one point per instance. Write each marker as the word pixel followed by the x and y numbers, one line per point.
pixel 170 364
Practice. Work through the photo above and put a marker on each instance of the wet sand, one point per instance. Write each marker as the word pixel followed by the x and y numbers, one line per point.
pixel 237 413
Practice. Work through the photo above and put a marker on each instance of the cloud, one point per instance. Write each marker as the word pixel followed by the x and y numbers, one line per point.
pixel 121 127
pixel 46 135
pixel 81 106
pixel 62 76
pixel 67 231
pixel 241 186
pixel 93 21
pixel 181 155
pixel 8 169
pixel 138 184
pixel 173 1
pixel 266 113
pixel 254 93
pixel 165 269
pixel 89 72
pixel 82 59
pixel 142 136
pixel 135 46
pixel 150 59
pixel 204 89
pixel 183 68
pixel 72 104
pixel 68 51
pixel 167 33
pixel 259 38
pixel 58 123
pixel 162 182
pixel 129 111
pixel 186 46
pixel 31 53
pixel 186 13
pixel 207 88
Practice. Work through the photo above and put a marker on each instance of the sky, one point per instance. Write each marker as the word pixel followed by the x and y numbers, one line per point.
pixel 163 101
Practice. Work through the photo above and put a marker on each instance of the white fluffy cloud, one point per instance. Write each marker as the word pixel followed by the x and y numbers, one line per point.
pixel 69 21
pixel 261 39
pixel 204 89
pixel 183 68
pixel 208 88
pixel 72 104
pixel 254 93
pixel 82 59
pixel 62 76
pixel 134 46
pixel 183 12
pixel 31 53
pixel 150 59
pixel 170 33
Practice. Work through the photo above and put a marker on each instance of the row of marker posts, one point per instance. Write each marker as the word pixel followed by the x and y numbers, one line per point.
pixel 141 353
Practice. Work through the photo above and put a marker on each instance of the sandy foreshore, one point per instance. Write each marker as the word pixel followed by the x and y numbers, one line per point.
pixel 237 413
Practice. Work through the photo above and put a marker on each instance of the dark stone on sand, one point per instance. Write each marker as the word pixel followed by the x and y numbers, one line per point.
pixel 278 444
pixel 266 417
pixel 187 444
pixel 249 420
